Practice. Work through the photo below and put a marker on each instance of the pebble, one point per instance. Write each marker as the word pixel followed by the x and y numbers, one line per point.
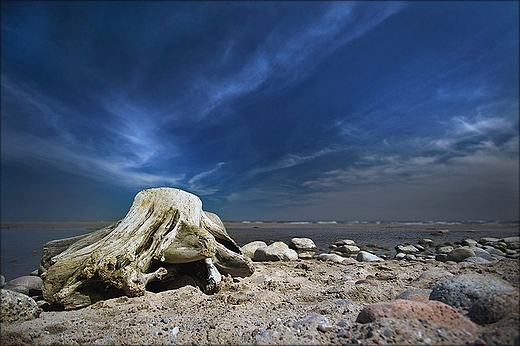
pixel 165 320
pixel 416 294
pixel 175 331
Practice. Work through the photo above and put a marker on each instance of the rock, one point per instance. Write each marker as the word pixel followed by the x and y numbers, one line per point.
pixel 494 252
pixel 512 243
pixel 277 251
pixel 364 256
pixel 25 284
pixel 17 307
pixel 302 244
pixel 479 252
pixel 444 249
pixel 344 242
pixel 435 313
pixel 399 256
pixel 250 248
pixel 426 242
pixel 440 232
pixel 493 307
pixel 469 242
pixel 442 257
pixel 419 247
pixel 462 291
pixel 415 294
pixel 406 248
pixel 314 322
pixel 347 249
pixel 2 281
pixel 430 278
pixel 306 254
pixel 331 257
pixel 486 240
pixel 459 254
pixel 475 260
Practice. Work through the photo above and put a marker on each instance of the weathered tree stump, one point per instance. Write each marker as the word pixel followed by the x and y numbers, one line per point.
pixel 165 234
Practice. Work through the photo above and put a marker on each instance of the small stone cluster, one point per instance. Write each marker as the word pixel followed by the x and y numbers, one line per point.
pixel 486 250
pixel 467 251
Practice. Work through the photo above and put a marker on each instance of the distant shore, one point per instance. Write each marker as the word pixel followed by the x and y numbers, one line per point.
pixel 276 224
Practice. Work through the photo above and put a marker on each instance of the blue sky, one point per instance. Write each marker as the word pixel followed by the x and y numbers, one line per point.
pixel 266 110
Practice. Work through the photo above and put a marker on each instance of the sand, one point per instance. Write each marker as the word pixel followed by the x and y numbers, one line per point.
pixel 281 303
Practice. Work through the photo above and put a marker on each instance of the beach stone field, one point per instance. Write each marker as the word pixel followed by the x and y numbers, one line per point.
pixel 461 293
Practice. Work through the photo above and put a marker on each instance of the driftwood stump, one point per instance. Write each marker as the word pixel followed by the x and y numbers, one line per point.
pixel 164 235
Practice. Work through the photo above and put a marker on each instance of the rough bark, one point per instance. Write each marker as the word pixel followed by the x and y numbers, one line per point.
pixel 165 232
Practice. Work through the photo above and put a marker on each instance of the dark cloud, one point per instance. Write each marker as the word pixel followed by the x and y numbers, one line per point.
pixel 267 110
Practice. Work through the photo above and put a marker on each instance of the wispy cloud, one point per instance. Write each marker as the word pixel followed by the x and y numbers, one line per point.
pixel 283 60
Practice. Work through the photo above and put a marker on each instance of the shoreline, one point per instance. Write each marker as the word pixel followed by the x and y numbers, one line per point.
pixel 288 224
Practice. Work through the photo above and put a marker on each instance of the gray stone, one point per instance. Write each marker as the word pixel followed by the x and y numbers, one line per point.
pixel 442 257
pixel 2 281
pixel 302 244
pixel 459 254
pixel 344 242
pixel 314 322
pixel 479 252
pixel 28 282
pixel 426 242
pixel 399 256
pixel 306 254
pixel 494 251
pixel 486 240
pixel 347 249
pixel 364 256
pixel 410 257
pixel 469 242
pixel 475 260
pixel 250 248
pixel 462 291
pixel 17 307
pixel 277 251
pixel 416 294
pixel 331 257
pixel 419 247
pixel 444 249
pixel 512 243
pixel 493 307
pixel 440 232
pixel 431 277
pixel 406 248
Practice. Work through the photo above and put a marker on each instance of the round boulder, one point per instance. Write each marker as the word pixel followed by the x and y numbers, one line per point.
pixel 462 291
pixel 459 254
pixel 17 307
pixel 302 244
pixel 29 282
pixel 250 248
pixel 277 251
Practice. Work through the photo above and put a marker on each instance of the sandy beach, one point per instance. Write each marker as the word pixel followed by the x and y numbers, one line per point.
pixel 275 305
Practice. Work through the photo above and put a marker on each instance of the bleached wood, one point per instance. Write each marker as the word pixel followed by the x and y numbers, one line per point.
pixel 163 225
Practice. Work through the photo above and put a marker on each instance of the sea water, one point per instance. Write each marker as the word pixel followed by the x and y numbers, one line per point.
pixel 21 248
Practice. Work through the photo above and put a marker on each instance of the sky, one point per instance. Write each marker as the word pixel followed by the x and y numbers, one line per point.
pixel 274 111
